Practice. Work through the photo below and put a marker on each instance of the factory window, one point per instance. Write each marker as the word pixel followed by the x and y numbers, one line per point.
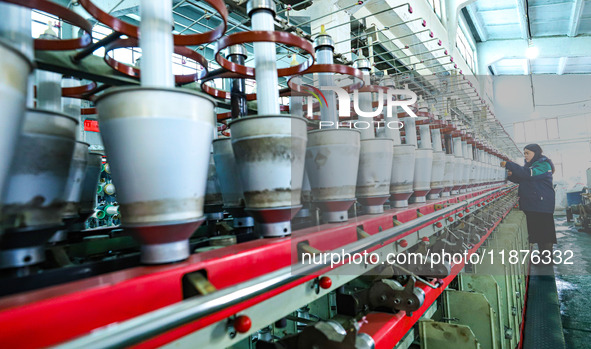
pixel 98 33
pixel 251 86
pixel 436 6
pixel 536 130
pixel 552 128
pixel 465 47
pixel 40 21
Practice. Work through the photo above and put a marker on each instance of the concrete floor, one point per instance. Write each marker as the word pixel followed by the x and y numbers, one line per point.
pixel 574 284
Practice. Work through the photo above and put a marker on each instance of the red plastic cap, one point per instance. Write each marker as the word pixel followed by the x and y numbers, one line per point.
pixel 460 215
pixel 467 210
pixel 242 324
pixel 325 282
pixel 403 243
pixel 439 224
pixel 451 219
pixel 425 239
pixel 424 23
pixel 409 9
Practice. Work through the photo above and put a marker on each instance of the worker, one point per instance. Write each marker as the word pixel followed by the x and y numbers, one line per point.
pixel 536 197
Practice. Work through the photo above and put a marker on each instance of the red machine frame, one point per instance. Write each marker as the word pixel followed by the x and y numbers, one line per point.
pixel 59 313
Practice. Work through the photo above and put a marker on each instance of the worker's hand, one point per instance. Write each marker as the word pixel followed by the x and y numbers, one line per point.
pixel 509 173
pixel 503 163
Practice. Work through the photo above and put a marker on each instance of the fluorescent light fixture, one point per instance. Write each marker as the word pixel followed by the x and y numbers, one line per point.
pixel 531 52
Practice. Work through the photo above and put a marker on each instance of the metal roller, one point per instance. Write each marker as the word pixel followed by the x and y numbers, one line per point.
pixel 403 169
pixel 487 168
pixel 269 153
pixel 481 168
pixel 437 175
pixel 448 174
pixel 49 84
pixel 230 184
pixel 324 47
pixel 228 175
pixel 296 108
pixel 374 174
pixel 477 168
pixel 492 168
pixel 262 16
pixel 472 168
pixel 439 163
pixel 156 43
pixel 391 133
pixel 161 214
pixel 16 68
pixel 364 99
pixel 306 197
pixel 332 163
pixel 466 163
pixel 16 59
pixel 213 195
pixel 88 190
pixel 35 200
pixel 237 54
pixel 73 192
pixel 15 31
pixel 423 166
pixel 459 171
pixel 422 174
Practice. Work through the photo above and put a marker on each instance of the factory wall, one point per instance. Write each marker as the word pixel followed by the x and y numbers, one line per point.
pixel 560 122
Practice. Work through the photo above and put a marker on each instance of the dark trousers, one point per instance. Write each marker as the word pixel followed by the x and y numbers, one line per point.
pixel 541 229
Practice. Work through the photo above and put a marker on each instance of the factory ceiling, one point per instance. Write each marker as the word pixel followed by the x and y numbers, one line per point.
pixel 532 22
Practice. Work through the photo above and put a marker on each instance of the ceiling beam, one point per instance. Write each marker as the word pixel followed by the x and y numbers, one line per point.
pixel 478 25
pixel 557 20
pixel 575 17
pixel 497 9
pixel 493 51
pixel 522 19
pixel 501 24
pixel 557 3
pixel 494 70
pixel 561 65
